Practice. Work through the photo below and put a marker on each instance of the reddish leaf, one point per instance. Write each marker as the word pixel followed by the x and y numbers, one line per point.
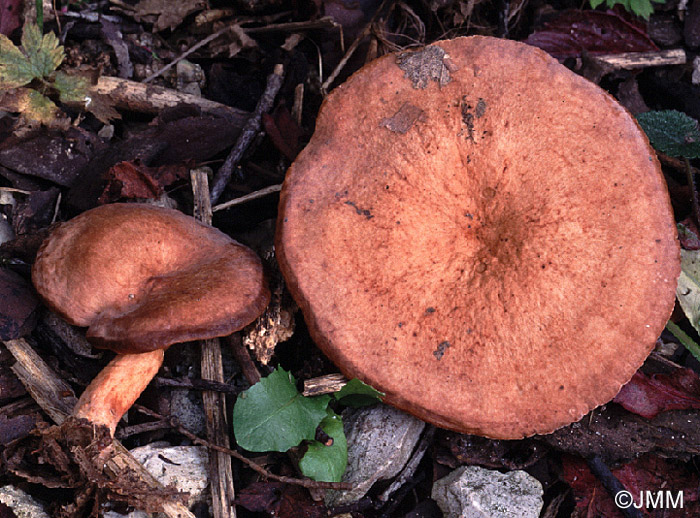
pixel 284 132
pixel 646 474
pixel 135 180
pixel 10 13
pixel 281 500
pixel 573 33
pixel 650 395
pixel 260 496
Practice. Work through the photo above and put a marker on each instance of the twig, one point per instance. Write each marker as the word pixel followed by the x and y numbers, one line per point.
pixel 135 96
pixel 612 485
pixel 195 384
pixel 353 47
pixel 251 128
pixel 220 473
pixel 311 484
pixel 56 398
pixel 189 51
pixel 321 23
pixel 247 197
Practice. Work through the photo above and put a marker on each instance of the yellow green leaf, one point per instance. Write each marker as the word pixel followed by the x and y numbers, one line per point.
pixel 40 108
pixel 15 69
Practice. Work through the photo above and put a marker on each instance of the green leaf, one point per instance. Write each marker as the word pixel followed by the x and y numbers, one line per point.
pixel 356 393
pixel 672 132
pixel 44 53
pixel 596 3
pixel 642 8
pixel 684 339
pixel 273 416
pixel 71 89
pixel 15 69
pixel 327 463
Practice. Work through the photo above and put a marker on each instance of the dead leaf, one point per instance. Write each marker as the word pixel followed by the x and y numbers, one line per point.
pixel 649 473
pixel 284 132
pixel 167 14
pixel 648 396
pixel 573 33
pixel 18 304
pixel 277 499
pixel 133 180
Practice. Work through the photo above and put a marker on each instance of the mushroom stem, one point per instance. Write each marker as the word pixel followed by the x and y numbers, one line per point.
pixel 115 389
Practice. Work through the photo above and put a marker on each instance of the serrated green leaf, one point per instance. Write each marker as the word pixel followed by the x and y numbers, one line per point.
pixel 15 69
pixel 273 416
pixel 39 108
pixel 642 8
pixel 43 52
pixel 672 132
pixel 327 463
pixel 355 393
pixel 71 88
pixel 596 3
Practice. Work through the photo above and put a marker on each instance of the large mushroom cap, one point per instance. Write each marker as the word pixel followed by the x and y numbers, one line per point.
pixel 481 234
pixel 144 277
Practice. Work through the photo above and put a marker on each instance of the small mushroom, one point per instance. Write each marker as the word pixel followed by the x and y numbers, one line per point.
pixel 142 278
pixel 482 235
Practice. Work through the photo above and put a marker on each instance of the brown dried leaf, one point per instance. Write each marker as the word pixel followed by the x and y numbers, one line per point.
pixel 134 180
pixel 167 14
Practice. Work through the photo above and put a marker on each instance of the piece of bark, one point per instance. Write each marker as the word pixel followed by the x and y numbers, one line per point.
pixel 324 384
pixel 220 471
pixel 145 98
pixel 616 435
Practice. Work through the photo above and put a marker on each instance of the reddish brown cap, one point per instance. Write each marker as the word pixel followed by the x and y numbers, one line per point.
pixel 481 234
pixel 143 277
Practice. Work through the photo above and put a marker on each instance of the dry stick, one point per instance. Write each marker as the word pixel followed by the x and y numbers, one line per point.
pixel 220 472
pixel 189 51
pixel 251 128
pixel 308 483
pixel 321 23
pixel 248 197
pixel 132 95
pixel 353 47
pixel 56 398
pixel 240 353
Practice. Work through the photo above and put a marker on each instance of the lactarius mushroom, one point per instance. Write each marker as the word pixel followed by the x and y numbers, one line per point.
pixel 142 278
pixel 482 235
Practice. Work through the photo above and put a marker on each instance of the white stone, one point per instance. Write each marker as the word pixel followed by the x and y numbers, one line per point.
pixel 186 468
pixel 474 492
pixel 380 442
pixel 23 505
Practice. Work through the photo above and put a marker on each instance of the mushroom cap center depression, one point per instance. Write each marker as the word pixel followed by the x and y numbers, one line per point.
pixel 501 263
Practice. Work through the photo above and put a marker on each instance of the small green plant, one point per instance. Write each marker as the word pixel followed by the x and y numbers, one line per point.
pixel 29 78
pixel 273 416
pixel 641 8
